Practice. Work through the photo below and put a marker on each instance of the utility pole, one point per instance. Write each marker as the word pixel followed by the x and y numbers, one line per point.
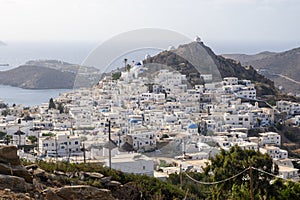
pixel 84 156
pixel 56 151
pixel 180 176
pixel 125 61
pixel 251 180
pixel 109 147
pixel 119 134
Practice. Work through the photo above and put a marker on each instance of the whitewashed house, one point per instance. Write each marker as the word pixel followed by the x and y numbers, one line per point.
pixel 274 152
pixel 269 138
pixel 60 143
pixel 132 163
pixel 288 172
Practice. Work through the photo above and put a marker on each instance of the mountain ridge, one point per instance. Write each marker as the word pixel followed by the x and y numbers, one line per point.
pixel 283 67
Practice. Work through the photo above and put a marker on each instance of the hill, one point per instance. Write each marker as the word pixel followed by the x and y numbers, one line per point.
pixel 48 74
pixel 283 68
pixel 195 58
pixel 245 58
pixel 36 77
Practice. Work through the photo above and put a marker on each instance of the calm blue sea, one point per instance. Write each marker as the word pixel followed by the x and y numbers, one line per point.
pixel 26 97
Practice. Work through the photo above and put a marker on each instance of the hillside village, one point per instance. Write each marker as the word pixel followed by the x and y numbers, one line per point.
pixel 155 124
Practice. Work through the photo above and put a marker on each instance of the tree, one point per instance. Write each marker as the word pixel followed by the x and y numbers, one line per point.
pixel 229 163
pixel 61 108
pixel 32 139
pixel 51 104
pixel 2 135
pixel 3 105
pixel 5 112
pixel 125 61
pixel 7 139
pixel 128 67
pixel 116 75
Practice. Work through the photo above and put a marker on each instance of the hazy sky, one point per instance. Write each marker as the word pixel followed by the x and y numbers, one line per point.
pixel 273 22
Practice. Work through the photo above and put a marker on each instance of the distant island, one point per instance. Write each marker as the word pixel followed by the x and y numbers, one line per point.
pixel 48 74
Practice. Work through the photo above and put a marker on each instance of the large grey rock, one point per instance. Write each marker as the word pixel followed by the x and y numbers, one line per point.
pixel 16 170
pixel 94 175
pixel 80 192
pixel 10 163
pixel 13 183
pixel 8 155
pixel 113 184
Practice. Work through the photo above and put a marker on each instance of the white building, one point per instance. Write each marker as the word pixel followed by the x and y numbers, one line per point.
pixel 248 146
pixel 274 152
pixel 230 81
pixel 288 172
pixel 60 142
pixel 132 163
pixel 288 107
pixel 142 141
pixel 269 138
pixel 237 120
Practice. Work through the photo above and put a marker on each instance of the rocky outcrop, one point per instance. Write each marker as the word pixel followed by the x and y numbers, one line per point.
pixel 8 154
pixel 14 183
pixel 10 164
pixel 78 192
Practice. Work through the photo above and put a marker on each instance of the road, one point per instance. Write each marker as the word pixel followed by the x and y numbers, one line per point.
pixel 288 78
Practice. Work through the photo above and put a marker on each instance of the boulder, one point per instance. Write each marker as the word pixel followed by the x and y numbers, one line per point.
pixel 59 173
pixel 105 179
pixel 16 170
pixel 8 154
pixel 94 175
pixel 11 165
pixel 32 166
pixel 113 184
pixel 49 194
pixel 79 192
pixel 13 183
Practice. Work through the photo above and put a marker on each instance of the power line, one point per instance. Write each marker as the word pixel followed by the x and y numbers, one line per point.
pixel 234 176
pixel 270 174
pixel 216 182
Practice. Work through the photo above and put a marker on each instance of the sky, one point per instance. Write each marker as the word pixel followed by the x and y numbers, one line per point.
pixel 226 25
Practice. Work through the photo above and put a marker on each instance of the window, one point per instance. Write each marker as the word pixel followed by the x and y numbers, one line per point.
pixel 144 167
pixel 76 142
